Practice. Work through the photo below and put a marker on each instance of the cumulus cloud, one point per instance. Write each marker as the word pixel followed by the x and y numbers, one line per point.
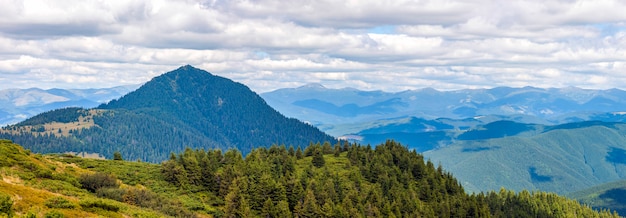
pixel 270 44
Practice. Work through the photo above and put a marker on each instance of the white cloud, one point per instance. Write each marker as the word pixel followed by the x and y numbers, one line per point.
pixel 269 44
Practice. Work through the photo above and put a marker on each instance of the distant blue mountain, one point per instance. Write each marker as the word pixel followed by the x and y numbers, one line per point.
pixel 18 104
pixel 348 111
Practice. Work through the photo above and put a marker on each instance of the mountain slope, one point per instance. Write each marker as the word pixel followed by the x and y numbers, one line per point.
pixel 18 104
pixel 561 159
pixel 610 196
pixel 34 185
pixel 187 107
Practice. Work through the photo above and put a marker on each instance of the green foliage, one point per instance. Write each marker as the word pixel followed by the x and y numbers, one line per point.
pixel 93 182
pixel 318 159
pixel 91 204
pixel 6 204
pixel 385 181
pixel 30 214
pixel 54 214
pixel 117 156
pixel 11 154
pixel 59 202
pixel 111 193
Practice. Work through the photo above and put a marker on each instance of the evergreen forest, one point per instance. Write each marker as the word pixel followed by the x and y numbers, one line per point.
pixel 322 180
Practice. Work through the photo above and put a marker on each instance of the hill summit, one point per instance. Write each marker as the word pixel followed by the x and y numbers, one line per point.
pixel 187 107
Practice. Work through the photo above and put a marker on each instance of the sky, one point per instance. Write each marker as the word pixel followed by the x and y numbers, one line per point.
pixel 270 44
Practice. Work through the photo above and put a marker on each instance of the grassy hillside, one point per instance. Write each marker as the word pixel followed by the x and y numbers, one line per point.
pixel 321 181
pixel 560 160
pixel 39 186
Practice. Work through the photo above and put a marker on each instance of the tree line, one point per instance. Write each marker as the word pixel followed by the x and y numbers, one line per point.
pixel 348 180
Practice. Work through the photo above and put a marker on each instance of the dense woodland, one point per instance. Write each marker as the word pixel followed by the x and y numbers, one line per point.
pixel 348 181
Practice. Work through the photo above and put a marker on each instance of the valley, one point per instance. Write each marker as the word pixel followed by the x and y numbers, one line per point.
pixel 506 140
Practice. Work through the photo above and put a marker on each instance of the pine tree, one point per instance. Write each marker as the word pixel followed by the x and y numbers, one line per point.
pixel 309 206
pixel 299 154
pixel 337 151
pixel 291 151
pixel 318 159
pixel 236 205
pixel 282 210
pixel 268 210
pixel 327 209
pixel 326 148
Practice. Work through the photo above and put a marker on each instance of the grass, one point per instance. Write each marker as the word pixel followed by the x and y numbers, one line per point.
pixel 43 185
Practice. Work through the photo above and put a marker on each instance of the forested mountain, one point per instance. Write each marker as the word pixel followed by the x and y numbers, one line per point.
pixel 19 104
pixel 562 158
pixel 346 180
pixel 187 107
pixel 611 196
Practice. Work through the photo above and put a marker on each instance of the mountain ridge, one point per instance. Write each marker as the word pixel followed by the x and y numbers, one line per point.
pixel 17 105
pixel 186 107
pixel 550 105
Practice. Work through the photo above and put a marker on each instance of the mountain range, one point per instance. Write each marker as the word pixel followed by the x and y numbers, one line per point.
pixel 187 107
pixel 19 104
pixel 349 111
pixel 559 140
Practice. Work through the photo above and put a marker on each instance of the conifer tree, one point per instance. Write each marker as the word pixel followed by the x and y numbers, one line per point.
pixel 268 210
pixel 236 204
pixel 318 159
pixel 299 154
pixel 309 205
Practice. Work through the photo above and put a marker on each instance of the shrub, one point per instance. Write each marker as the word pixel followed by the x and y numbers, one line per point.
pixel 117 156
pixel 54 214
pixel 92 204
pixel 59 202
pixel 93 182
pixel 29 166
pixel 6 204
pixel 142 198
pixel 111 193
pixel 67 178
pixel 43 173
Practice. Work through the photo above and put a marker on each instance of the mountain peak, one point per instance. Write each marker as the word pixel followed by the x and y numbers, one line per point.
pixel 227 113
pixel 188 68
pixel 313 86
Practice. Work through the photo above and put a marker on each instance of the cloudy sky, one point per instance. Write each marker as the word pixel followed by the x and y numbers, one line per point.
pixel 269 44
